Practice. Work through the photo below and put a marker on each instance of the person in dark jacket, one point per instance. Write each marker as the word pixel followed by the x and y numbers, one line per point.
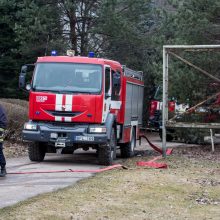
pixel 3 123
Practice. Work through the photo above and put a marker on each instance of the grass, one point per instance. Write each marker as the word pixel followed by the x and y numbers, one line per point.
pixel 18 102
pixel 189 189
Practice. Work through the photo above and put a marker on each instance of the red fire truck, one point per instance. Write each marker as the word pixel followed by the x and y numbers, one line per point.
pixel 155 109
pixel 82 102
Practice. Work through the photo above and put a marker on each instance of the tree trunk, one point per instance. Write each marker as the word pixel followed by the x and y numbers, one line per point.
pixel 73 34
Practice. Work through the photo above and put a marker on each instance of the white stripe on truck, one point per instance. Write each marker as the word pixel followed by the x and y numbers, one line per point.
pixel 60 106
pixel 69 103
pixel 59 100
pixel 67 119
pixel 58 118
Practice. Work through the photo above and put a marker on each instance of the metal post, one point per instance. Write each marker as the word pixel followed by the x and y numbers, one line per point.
pixel 212 141
pixel 170 49
pixel 165 100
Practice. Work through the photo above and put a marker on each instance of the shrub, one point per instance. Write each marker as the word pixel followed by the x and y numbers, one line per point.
pixel 17 114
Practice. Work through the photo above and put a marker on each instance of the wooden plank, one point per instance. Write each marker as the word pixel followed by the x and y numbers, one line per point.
pixel 213 46
pixel 195 67
pixel 192 125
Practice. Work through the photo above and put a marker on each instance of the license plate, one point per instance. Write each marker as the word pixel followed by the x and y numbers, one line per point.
pixel 84 138
pixel 60 144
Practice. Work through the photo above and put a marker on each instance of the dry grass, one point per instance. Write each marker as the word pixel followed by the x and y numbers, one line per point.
pixel 189 189
pixel 19 102
pixel 17 114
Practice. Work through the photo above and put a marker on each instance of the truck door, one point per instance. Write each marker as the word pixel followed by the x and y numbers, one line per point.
pixel 107 95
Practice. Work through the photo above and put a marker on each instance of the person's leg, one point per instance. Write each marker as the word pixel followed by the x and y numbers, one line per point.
pixel 2 162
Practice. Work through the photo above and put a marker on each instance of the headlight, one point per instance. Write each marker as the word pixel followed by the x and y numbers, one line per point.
pixel 97 130
pixel 30 126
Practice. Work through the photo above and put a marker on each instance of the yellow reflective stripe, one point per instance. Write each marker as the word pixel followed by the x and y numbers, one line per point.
pixel 1 135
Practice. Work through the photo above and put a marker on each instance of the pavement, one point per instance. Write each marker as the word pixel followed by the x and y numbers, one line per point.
pixel 15 188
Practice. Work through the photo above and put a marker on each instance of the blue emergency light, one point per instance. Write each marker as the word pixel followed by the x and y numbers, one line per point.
pixel 53 53
pixel 91 54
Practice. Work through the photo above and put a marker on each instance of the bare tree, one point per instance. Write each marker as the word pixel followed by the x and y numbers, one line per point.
pixel 78 17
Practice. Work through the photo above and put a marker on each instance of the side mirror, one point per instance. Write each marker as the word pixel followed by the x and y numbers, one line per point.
pixel 22 77
pixel 22 81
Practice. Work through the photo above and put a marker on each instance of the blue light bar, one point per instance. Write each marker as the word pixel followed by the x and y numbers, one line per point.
pixel 91 54
pixel 53 53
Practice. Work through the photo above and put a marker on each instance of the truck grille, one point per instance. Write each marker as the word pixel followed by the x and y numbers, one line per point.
pixel 63 114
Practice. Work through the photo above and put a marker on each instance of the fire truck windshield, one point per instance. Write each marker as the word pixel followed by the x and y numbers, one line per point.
pixel 68 77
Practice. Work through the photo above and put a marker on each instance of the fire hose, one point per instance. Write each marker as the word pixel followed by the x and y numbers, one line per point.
pixel 72 171
pixel 151 163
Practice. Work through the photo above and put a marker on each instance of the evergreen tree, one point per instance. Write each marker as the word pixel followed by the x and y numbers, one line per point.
pixel 122 27
pixel 28 29
pixel 132 32
pixel 39 30
pixel 8 48
pixel 196 22
pixel 186 22
pixel 123 31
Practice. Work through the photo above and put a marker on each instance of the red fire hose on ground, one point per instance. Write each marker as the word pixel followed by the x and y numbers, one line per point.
pixel 152 163
pixel 71 171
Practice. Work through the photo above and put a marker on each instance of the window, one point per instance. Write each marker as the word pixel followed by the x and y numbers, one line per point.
pixel 107 80
pixel 68 77
pixel 116 84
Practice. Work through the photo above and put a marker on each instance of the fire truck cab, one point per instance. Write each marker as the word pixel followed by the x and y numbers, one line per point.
pixel 82 102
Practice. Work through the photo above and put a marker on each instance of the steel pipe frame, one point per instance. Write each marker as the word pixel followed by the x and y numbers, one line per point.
pixel 166 49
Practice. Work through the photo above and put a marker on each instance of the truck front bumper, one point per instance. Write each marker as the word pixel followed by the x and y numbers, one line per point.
pixel 61 135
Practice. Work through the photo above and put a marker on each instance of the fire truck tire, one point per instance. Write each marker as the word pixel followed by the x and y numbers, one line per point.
pixel 36 152
pixel 127 150
pixel 107 153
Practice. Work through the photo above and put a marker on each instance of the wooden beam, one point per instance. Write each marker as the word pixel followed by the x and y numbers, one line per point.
pixel 195 106
pixel 195 67
pixel 192 125
pixel 196 47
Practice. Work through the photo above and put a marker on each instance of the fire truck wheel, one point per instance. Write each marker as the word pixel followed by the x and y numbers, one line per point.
pixel 36 151
pixel 127 150
pixel 107 153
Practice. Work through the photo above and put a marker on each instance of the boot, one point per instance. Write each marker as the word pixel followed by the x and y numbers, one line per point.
pixel 3 172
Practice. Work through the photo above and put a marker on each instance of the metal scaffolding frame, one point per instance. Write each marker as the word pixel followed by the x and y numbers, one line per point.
pixel 170 50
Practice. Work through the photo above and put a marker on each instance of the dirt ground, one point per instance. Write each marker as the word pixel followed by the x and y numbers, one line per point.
pixel 188 189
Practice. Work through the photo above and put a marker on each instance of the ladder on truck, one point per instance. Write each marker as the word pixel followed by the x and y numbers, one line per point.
pixel 131 73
